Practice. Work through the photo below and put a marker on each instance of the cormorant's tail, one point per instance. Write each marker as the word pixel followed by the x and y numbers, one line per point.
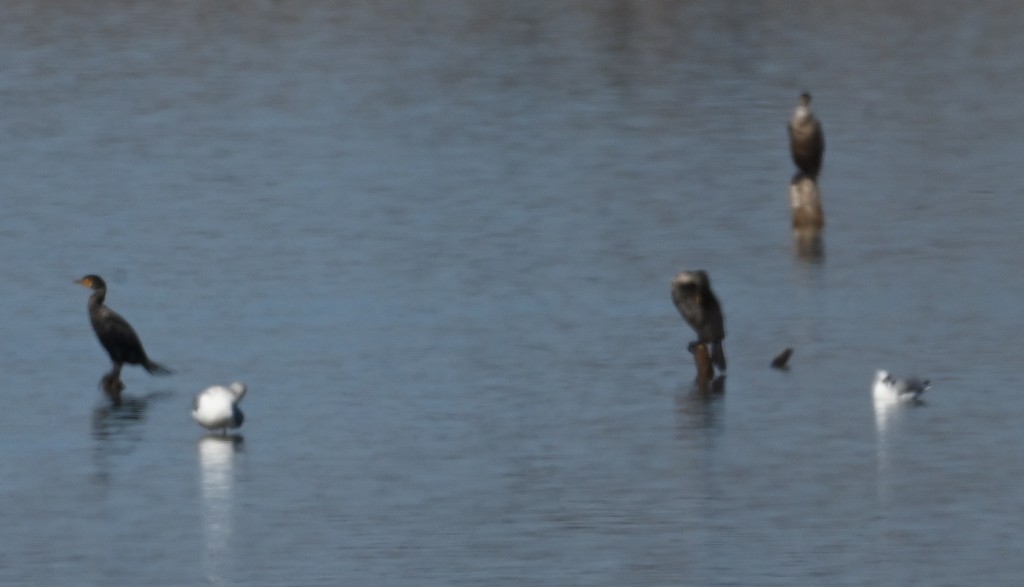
pixel 718 355
pixel 154 368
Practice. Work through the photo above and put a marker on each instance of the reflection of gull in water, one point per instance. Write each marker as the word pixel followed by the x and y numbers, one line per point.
pixel 885 405
pixel 889 395
pixel 216 454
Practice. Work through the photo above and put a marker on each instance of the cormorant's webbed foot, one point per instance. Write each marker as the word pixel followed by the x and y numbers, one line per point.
pixel 112 386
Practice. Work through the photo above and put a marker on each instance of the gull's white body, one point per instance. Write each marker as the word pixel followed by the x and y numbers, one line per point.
pixel 889 388
pixel 216 408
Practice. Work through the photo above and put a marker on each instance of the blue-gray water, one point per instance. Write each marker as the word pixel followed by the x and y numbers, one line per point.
pixel 435 240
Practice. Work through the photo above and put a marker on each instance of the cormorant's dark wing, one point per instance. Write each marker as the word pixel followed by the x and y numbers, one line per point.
pixel 118 338
pixel 714 322
pixel 807 145
pixel 687 304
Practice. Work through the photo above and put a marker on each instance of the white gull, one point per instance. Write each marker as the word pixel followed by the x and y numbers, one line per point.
pixel 216 408
pixel 888 387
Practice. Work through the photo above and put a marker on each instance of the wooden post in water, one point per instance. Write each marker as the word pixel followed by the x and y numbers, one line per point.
pixel 702 360
pixel 808 217
pixel 805 203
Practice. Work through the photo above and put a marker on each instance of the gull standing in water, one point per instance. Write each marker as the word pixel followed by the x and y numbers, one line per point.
pixel 806 139
pixel 216 408
pixel 888 387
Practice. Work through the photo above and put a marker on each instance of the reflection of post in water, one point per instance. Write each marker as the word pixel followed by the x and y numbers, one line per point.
pixel 808 244
pixel 216 460
pixel 699 404
pixel 808 217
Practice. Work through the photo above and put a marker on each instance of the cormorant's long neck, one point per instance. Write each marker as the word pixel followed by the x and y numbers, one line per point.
pixel 97 297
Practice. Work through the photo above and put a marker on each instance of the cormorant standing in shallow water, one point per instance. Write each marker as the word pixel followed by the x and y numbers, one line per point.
pixel 806 140
pixel 117 337
pixel 692 295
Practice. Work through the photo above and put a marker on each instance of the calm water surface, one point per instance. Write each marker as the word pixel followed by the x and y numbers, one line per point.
pixel 435 240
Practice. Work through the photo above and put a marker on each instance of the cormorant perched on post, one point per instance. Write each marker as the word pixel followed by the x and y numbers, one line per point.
pixel 806 140
pixel 116 335
pixel 692 295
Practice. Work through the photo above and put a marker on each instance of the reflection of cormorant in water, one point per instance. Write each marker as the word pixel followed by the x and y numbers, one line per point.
pixel 692 295
pixel 117 337
pixel 109 422
pixel 118 430
pixel 806 140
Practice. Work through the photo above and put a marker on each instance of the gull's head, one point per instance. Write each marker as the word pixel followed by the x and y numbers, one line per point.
pixel 882 375
pixel 238 389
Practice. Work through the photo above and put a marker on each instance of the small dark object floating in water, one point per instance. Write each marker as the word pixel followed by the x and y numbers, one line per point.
pixel 782 360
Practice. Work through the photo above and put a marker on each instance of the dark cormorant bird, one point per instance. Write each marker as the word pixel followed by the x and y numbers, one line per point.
pixel 116 335
pixel 806 140
pixel 692 295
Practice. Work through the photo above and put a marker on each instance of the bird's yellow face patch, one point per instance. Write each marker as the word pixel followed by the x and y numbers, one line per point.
pixel 86 281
